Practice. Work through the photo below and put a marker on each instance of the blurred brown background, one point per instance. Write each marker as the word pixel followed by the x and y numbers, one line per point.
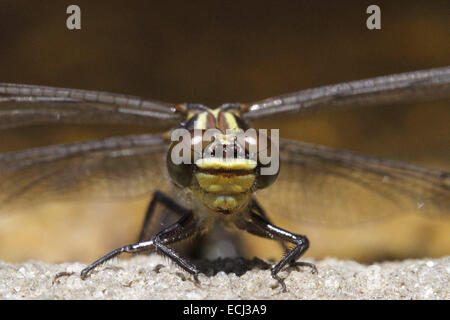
pixel 225 51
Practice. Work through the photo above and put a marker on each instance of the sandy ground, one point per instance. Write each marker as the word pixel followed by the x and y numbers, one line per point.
pixel 153 277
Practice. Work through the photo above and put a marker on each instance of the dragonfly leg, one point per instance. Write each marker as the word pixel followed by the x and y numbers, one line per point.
pixel 259 226
pixel 255 207
pixel 185 228
pixel 182 229
pixel 131 248
pixel 166 201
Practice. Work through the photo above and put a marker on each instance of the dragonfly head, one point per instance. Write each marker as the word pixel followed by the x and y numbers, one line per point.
pixel 222 167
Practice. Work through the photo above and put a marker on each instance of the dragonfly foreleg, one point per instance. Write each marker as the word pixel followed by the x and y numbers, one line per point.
pixel 185 228
pixel 259 226
pixel 255 207
pixel 182 229
pixel 131 248
pixel 166 201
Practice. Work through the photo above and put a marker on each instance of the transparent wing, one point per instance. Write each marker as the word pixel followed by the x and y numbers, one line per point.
pixel 326 186
pixel 26 104
pixel 107 169
pixel 425 84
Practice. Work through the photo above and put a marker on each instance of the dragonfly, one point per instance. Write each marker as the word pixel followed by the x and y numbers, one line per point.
pixel 314 183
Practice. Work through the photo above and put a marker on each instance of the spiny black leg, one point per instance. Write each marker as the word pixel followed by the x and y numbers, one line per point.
pixel 182 229
pixel 186 227
pixel 260 227
pixel 159 197
pixel 131 248
pixel 255 207
pixel 301 245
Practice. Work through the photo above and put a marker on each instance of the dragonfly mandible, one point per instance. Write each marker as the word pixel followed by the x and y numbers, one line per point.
pixel 128 166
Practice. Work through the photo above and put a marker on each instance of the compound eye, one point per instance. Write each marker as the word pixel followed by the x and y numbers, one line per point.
pixel 181 174
pixel 265 180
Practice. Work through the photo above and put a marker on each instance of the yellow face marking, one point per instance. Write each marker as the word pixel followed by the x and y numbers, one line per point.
pixel 224 193
pixel 224 203
pixel 202 118
pixel 190 115
pixel 217 183
pixel 231 121
pixel 226 164
pixel 215 112
pixel 213 188
pixel 200 123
